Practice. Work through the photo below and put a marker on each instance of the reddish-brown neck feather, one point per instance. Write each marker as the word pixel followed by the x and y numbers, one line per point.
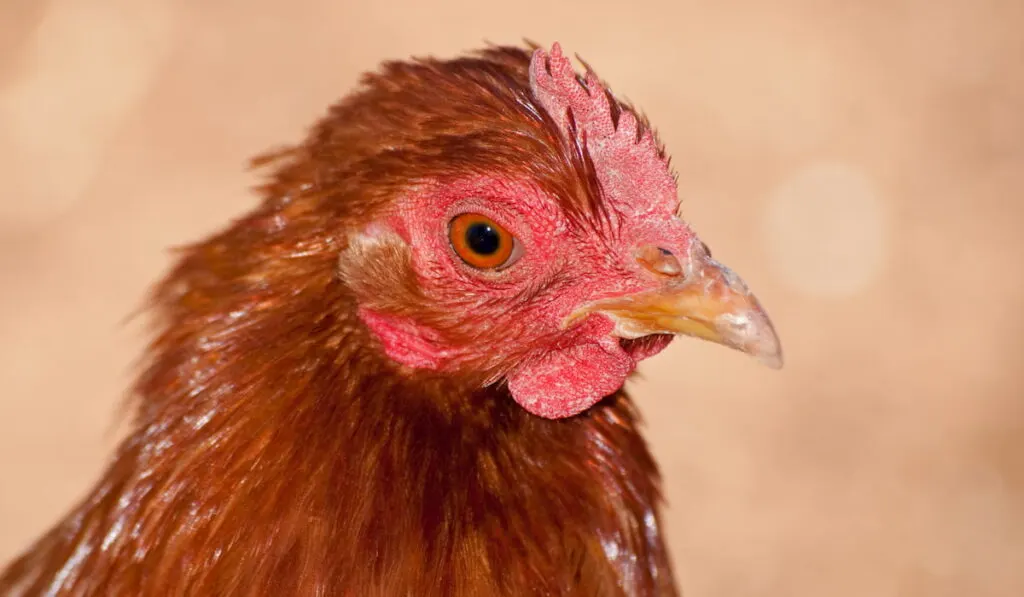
pixel 297 463
pixel 276 451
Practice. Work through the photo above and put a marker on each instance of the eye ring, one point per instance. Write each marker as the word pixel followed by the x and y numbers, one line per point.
pixel 481 242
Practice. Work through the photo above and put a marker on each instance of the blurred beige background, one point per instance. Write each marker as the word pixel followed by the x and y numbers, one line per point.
pixel 860 163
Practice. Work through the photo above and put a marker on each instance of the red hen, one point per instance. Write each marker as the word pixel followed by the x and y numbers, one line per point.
pixel 401 374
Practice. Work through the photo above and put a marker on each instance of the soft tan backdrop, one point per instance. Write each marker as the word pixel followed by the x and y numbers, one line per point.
pixel 860 163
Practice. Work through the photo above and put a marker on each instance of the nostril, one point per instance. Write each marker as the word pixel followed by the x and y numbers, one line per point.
pixel 658 260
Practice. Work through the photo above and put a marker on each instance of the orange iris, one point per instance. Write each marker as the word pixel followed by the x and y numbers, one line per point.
pixel 480 241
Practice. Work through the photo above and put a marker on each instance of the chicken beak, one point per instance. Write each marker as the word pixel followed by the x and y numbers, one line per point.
pixel 707 301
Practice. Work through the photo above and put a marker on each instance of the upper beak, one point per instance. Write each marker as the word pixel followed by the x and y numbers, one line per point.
pixel 705 300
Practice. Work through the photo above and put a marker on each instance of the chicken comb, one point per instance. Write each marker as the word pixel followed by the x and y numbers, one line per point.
pixel 631 167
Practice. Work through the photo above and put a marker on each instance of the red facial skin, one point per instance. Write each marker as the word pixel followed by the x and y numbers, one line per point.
pixel 519 310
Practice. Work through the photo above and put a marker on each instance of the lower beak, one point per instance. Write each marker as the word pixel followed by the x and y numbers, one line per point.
pixel 710 302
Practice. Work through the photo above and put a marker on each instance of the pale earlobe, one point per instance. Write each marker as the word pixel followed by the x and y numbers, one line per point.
pixel 375 259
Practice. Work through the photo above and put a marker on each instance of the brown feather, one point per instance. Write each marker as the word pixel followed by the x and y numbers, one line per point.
pixel 276 451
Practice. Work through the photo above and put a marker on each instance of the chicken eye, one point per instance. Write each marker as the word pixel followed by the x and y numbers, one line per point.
pixel 481 242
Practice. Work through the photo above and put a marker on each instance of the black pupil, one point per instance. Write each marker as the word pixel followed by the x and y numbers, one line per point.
pixel 483 239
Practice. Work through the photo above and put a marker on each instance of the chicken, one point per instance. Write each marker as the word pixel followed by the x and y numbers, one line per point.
pixel 401 373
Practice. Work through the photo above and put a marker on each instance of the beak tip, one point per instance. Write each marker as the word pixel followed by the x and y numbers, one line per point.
pixel 772 360
pixel 768 348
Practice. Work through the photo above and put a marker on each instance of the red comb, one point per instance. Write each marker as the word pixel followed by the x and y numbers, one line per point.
pixel 633 173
